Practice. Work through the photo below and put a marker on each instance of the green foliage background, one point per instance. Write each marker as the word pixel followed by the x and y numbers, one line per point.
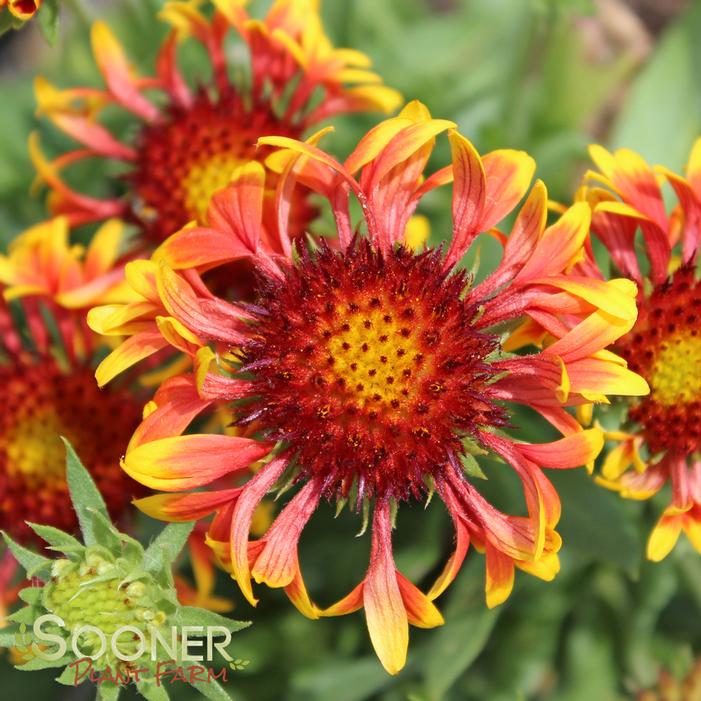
pixel 533 74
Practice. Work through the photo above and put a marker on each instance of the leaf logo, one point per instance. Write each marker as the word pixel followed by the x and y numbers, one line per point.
pixel 239 664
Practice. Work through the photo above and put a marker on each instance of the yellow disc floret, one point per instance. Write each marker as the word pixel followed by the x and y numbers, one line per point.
pixel 34 448
pixel 205 179
pixel 374 354
pixel 676 371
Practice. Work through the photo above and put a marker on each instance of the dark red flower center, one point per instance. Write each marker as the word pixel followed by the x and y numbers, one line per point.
pixel 370 367
pixel 39 404
pixel 665 348
pixel 190 154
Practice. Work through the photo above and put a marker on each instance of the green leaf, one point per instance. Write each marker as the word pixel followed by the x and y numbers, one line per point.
pixel 48 18
pixel 193 616
pixel 56 538
pixel 454 647
pixel 5 22
pixel 67 677
pixel 167 546
pixel 108 692
pixel 588 667
pixel 37 663
pixel 662 115
pixel 104 531
pixel 31 561
pixel 8 638
pixel 212 690
pixel 354 680
pixel 594 523
pixel 133 550
pixel 84 494
pixel 31 595
pixel 27 615
pixel 9 21
pixel 471 466
pixel 151 691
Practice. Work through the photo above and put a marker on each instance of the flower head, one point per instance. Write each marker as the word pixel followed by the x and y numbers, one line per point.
pixel 187 145
pixel 668 686
pixel 47 387
pixel 370 374
pixel 107 598
pixel 660 438
pixel 22 10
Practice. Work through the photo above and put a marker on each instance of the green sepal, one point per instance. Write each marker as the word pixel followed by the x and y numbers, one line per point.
pixel 67 677
pixel 105 533
pixel 340 505
pixel 132 549
pixel 32 562
pixel 167 546
pixel 194 616
pixel 57 539
pixel 151 691
pixel 37 663
pixel 9 21
pixel 31 595
pixel 288 481
pixel 471 467
pixel 107 692
pixel 27 614
pixel 366 518
pixel 85 495
pixel 8 638
pixel 48 19
pixel 212 690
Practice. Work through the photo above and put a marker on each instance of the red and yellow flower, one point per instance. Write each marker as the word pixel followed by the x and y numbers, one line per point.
pixel 672 688
pixel 47 389
pixel 372 374
pixel 660 438
pixel 22 10
pixel 188 143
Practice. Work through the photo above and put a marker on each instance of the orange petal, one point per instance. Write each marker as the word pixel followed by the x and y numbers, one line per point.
pixel 419 609
pixel 500 576
pixel 664 537
pixel 117 72
pixel 508 175
pixel 597 331
pixel 571 451
pixel 560 244
pixel 384 608
pixel 469 192
pixel 592 377
pixel 185 462
pixel 185 507
pixel 370 146
pixel 277 563
pixel 528 227
pixel 249 499
pixel 177 403
pixel 198 247
pixel 616 297
pixel 298 595
pixel 348 604
pixel 238 209
pixel 457 557
pixel 134 349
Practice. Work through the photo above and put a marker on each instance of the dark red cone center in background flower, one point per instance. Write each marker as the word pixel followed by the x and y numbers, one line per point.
pixel 665 348
pixel 39 404
pixel 369 366
pixel 190 155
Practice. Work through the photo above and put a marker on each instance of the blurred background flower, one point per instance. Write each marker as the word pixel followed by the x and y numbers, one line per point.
pixel 547 76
